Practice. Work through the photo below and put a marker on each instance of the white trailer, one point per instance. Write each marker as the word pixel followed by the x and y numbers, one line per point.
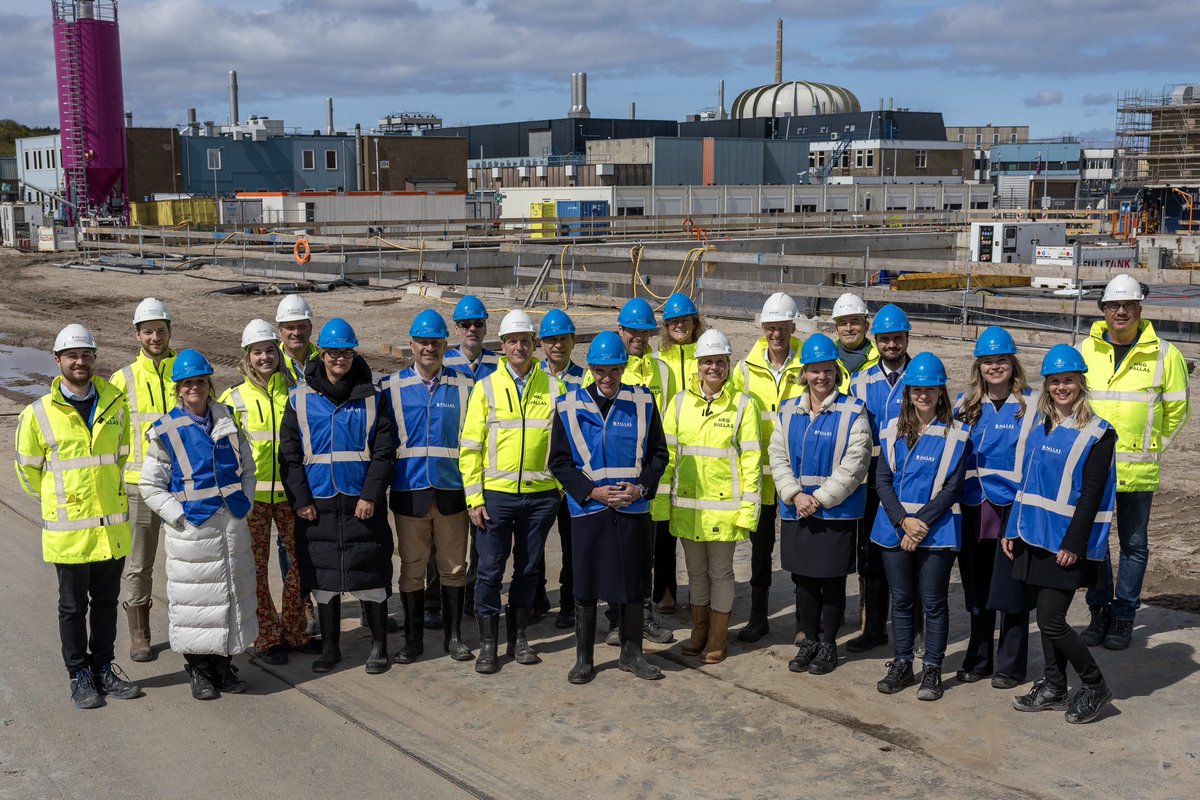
pixel 1013 242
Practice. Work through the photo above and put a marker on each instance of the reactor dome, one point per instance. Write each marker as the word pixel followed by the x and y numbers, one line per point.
pixel 794 99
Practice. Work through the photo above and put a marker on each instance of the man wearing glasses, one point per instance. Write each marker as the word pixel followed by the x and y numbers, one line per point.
pixel 1138 383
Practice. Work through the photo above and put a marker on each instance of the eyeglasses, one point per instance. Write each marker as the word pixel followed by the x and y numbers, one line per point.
pixel 679 322
pixel 471 323
pixel 1129 305
pixel 339 355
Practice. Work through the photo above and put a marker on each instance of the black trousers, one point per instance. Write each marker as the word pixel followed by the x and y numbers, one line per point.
pixel 821 606
pixel 1060 642
pixel 566 578
pixel 762 548
pixel 88 593
pixel 664 564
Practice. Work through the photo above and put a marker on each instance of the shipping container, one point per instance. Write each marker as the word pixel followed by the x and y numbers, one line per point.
pixel 574 217
pixel 543 209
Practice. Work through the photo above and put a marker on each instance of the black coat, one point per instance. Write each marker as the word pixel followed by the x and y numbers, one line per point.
pixel 338 552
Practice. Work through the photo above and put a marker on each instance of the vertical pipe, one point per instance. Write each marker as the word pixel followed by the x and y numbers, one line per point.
pixel 721 99
pixel 128 119
pixel 779 50
pixel 358 155
pixel 329 116
pixel 584 112
pixel 632 110
pixel 233 97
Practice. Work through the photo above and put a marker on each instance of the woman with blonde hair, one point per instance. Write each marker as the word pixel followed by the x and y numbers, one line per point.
pixel 198 476
pixel 1057 534
pixel 258 403
pixel 923 455
pixel 998 407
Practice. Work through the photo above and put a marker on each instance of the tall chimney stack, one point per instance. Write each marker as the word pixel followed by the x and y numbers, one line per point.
pixel 329 116
pixel 779 50
pixel 233 98
pixel 579 108
pixel 632 110
pixel 721 100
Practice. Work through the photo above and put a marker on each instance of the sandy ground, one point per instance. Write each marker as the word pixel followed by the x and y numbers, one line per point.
pixel 745 728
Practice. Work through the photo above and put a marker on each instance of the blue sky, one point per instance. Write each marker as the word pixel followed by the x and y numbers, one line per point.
pixel 1055 65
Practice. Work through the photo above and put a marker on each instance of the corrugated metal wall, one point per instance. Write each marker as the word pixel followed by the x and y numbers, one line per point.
pixel 677 162
pixel 784 160
pixel 738 162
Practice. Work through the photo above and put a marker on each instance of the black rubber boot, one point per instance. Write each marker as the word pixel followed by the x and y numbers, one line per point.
pixel 585 644
pixel 329 616
pixel 452 613
pixel 757 627
pixel 566 614
pixel 377 619
pixel 489 632
pixel 632 658
pixel 518 642
pixel 414 629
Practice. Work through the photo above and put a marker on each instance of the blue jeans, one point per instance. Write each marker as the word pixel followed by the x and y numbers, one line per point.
pixel 926 572
pixel 517 524
pixel 1133 523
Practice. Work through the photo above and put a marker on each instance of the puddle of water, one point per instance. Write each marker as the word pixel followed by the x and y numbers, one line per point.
pixel 26 371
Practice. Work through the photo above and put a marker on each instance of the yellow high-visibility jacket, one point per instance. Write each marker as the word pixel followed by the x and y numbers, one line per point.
pixel 76 473
pixel 872 360
pixel 754 377
pixel 259 413
pixel 505 443
pixel 295 369
pixel 1145 399
pixel 716 461
pixel 681 360
pixel 655 374
pixel 150 393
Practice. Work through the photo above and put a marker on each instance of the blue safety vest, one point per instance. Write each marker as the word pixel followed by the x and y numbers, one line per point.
pixel 608 449
pixel 336 440
pixel 427 428
pixel 458 360
pixel 882 400
pixel 1053 475
pixel 918 476
pixel 206 474
pixel 997 450
pixel 571 378
pixel 815 447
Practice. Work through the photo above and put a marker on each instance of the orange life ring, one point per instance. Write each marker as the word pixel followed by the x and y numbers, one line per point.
pixel 302 252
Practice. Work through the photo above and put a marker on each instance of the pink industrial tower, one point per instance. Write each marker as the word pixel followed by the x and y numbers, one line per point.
pixel 91 106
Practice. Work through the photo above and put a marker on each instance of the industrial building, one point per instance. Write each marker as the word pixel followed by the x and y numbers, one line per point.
pixel 1158 140
pixel 1058 174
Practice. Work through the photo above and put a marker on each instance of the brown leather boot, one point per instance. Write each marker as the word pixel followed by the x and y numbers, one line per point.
pixel 694 646
pixel 718 636
pixel 139 633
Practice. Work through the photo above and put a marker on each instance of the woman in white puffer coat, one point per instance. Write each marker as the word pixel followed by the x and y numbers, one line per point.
pixel 199 477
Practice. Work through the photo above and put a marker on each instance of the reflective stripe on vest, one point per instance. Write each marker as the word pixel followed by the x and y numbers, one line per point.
pixel 815 447
pixel 428 425
pixel 882 400
pixel 59 467
pixel 489 361
pixel 731 454
pixel 1053 475
pixel 205 472
pixel 916 481
pixel 333 471
pixel 998 450
pixel 608 449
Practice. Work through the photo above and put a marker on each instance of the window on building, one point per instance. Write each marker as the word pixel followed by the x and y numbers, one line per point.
pixel 308 159
pixel 824 129
pixel 331 159
pixel 995 138
pixel 50 154
pixel 870 158
pixel 978 139
pixel 859 158
pixel 845 161
pixel 812 159
pixel 214 158
pixel 27 161
pixel 962 137
pixel 1012 139
pixel 920 159
pixel 37 159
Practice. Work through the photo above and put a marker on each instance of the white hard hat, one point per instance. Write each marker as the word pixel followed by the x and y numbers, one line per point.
pixel 149 310
pixel 779 307
pixel 714 343
pixel 849 305
pixel 1122 287
pixel 516 321
pixel 293 308
pixel 73 336
pixel 259 330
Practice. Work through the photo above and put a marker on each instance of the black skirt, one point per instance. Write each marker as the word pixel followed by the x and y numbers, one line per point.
pixel 610 556
pixel 818 548
pixel 1037 567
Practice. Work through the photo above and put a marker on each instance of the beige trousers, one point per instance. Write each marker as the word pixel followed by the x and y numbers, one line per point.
pixel 139 564
pixel 710 573
pixel 415 537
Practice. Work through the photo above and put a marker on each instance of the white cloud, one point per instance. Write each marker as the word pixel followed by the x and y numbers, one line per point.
pixel 1046 97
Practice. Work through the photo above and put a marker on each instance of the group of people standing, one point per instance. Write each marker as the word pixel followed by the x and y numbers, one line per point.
pixel 855 449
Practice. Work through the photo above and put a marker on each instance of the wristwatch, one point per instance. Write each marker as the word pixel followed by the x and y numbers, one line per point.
pixel 641 489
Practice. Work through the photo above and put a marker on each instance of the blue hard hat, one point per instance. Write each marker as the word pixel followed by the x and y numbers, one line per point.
pixel 337 335
pixel 818 348
pixel 556 323
pixel 607 350
pixel 891 319
pixel 679 305
pixel 190 364
pixel 1063 358
pixel 470 307
pixel 637 315
pixel 925 369
pixel 429 325
pixel 995 341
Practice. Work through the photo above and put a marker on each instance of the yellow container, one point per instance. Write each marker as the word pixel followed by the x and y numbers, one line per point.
pixel 544 210
pixel 144 214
